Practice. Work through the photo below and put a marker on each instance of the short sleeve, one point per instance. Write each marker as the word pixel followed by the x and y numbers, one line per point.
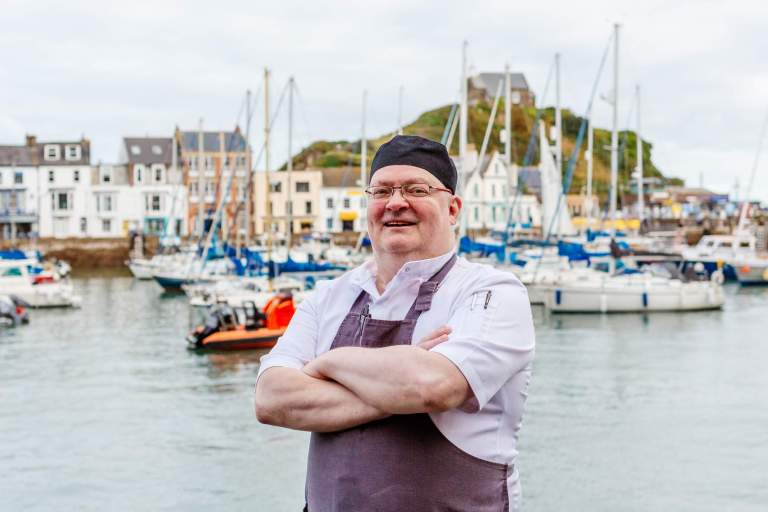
pixel 296 347
pixel 492 336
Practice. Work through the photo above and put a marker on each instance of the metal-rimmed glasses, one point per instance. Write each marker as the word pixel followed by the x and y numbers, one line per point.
pixel 409 190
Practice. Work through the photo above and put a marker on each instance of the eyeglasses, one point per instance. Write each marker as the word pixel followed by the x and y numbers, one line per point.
pixel 411 190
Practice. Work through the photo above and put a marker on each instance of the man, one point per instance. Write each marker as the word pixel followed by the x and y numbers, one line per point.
pixel 411 370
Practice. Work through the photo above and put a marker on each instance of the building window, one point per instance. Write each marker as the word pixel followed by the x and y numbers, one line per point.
pixel 192 162
pixel 83 225
pixel 493 213
pixel 302 186
pixel 276 186
pixel 72 152
pixel 50 176
pixel 329 202
pixel 135 150
pixel 157 150
pixel 138 173
pixel 105 203
pixel 193 188
pixel 477 190
pixel 18 178
pixel 76 175
pixel 209 163
pixel 51 152
pixel 493 190
pixel 153 202
pixel 106 225
pixel 106 174
pixel 61 201
pixel 158 174
pixel 308 207
pixel 210 187
pixel 329 223
pixel 346 202
pixel 477 213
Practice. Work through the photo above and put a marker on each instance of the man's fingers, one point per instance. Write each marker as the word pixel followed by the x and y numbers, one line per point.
pixel 444 330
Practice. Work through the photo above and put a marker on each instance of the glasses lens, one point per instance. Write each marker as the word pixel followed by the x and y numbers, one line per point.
pixel 380 192
pixel 416 190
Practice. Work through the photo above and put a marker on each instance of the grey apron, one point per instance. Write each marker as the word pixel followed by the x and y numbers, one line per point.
pixel 400 463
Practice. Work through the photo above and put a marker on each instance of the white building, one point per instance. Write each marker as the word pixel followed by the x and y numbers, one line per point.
pixel 342 204
pixel 490 197
pixel 18 192
pixel 298 200
pixel 64 177
pixel 158 197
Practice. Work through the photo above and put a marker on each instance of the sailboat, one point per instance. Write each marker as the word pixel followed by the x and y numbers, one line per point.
pixel 597 292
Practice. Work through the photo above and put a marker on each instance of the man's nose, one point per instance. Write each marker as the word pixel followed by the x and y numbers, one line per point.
pixel 397 201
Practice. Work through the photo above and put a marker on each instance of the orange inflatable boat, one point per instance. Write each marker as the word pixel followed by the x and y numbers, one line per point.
pixel 223 330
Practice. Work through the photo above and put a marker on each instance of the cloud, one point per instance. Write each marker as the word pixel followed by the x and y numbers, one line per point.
pixel 83 67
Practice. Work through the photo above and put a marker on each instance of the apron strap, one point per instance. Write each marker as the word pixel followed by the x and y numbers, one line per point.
pixel 428 289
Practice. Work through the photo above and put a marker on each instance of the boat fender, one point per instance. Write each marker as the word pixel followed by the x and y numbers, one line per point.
pixel 717 277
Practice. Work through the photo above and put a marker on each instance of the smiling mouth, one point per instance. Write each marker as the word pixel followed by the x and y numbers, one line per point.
pixel 398 224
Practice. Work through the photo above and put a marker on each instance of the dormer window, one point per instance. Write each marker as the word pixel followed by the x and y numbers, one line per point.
pixel 157 150
pixel 135 150
pixel 51 151
pixel 72 152
pixel 106 174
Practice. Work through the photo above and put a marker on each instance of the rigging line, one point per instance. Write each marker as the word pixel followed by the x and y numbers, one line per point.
pixel 217 214
pixel 449 128
pixel 580 137
pixel 755 164
pixel 530 149
pixel 303 110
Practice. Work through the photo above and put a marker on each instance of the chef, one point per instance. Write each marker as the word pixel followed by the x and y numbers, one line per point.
pixel 411 370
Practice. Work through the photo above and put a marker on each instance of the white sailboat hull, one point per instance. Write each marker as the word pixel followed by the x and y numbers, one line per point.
pixel 632 294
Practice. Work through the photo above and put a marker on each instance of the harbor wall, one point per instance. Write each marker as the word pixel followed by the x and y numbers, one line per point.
pixel 85 253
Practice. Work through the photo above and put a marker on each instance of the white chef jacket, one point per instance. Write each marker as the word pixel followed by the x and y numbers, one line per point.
pixel 491 343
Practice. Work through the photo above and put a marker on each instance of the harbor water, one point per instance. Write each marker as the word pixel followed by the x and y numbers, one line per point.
pixel 104 408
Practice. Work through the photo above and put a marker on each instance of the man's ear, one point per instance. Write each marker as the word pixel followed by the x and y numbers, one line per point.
pixel 454 209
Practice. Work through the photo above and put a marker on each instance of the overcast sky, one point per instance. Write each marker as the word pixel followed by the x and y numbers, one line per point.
pixel 136 68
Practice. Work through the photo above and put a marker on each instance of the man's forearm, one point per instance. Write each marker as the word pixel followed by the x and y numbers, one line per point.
pixel 402 379
pixel 287 397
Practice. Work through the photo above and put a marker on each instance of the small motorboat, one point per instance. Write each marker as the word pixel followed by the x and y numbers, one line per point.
pixel 13 311
pixel 223 330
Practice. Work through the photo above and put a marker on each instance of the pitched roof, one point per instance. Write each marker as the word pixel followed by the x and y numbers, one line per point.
pixel 341 177
pixel 23 156
pixel 85 152
pixel 490 81
pixel 148 150
pixel 233 141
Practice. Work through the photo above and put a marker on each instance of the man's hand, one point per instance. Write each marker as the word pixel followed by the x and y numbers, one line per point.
pixel 433 339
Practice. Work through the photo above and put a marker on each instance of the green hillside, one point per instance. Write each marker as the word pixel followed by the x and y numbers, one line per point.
pixel 431 124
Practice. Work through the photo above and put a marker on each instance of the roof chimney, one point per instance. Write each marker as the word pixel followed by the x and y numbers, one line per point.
pixel 31 140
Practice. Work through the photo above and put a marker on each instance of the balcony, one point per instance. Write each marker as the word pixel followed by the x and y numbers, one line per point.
pixel 17 216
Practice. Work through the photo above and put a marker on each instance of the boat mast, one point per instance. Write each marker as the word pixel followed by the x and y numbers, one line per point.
pixel 289 203
pixel 590 160
pixel 640 193
pixel 400 111
pixel 615 132
pixel 558 120
pixel 200 181
pixel 364 165
pixel 508 137
pixel 463 129
pixel 248 167
pixel 267 173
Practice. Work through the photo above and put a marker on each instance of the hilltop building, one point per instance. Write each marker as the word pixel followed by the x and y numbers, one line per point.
pixel 482 87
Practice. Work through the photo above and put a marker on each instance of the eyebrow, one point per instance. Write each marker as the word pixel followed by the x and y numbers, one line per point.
pixel 409 181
